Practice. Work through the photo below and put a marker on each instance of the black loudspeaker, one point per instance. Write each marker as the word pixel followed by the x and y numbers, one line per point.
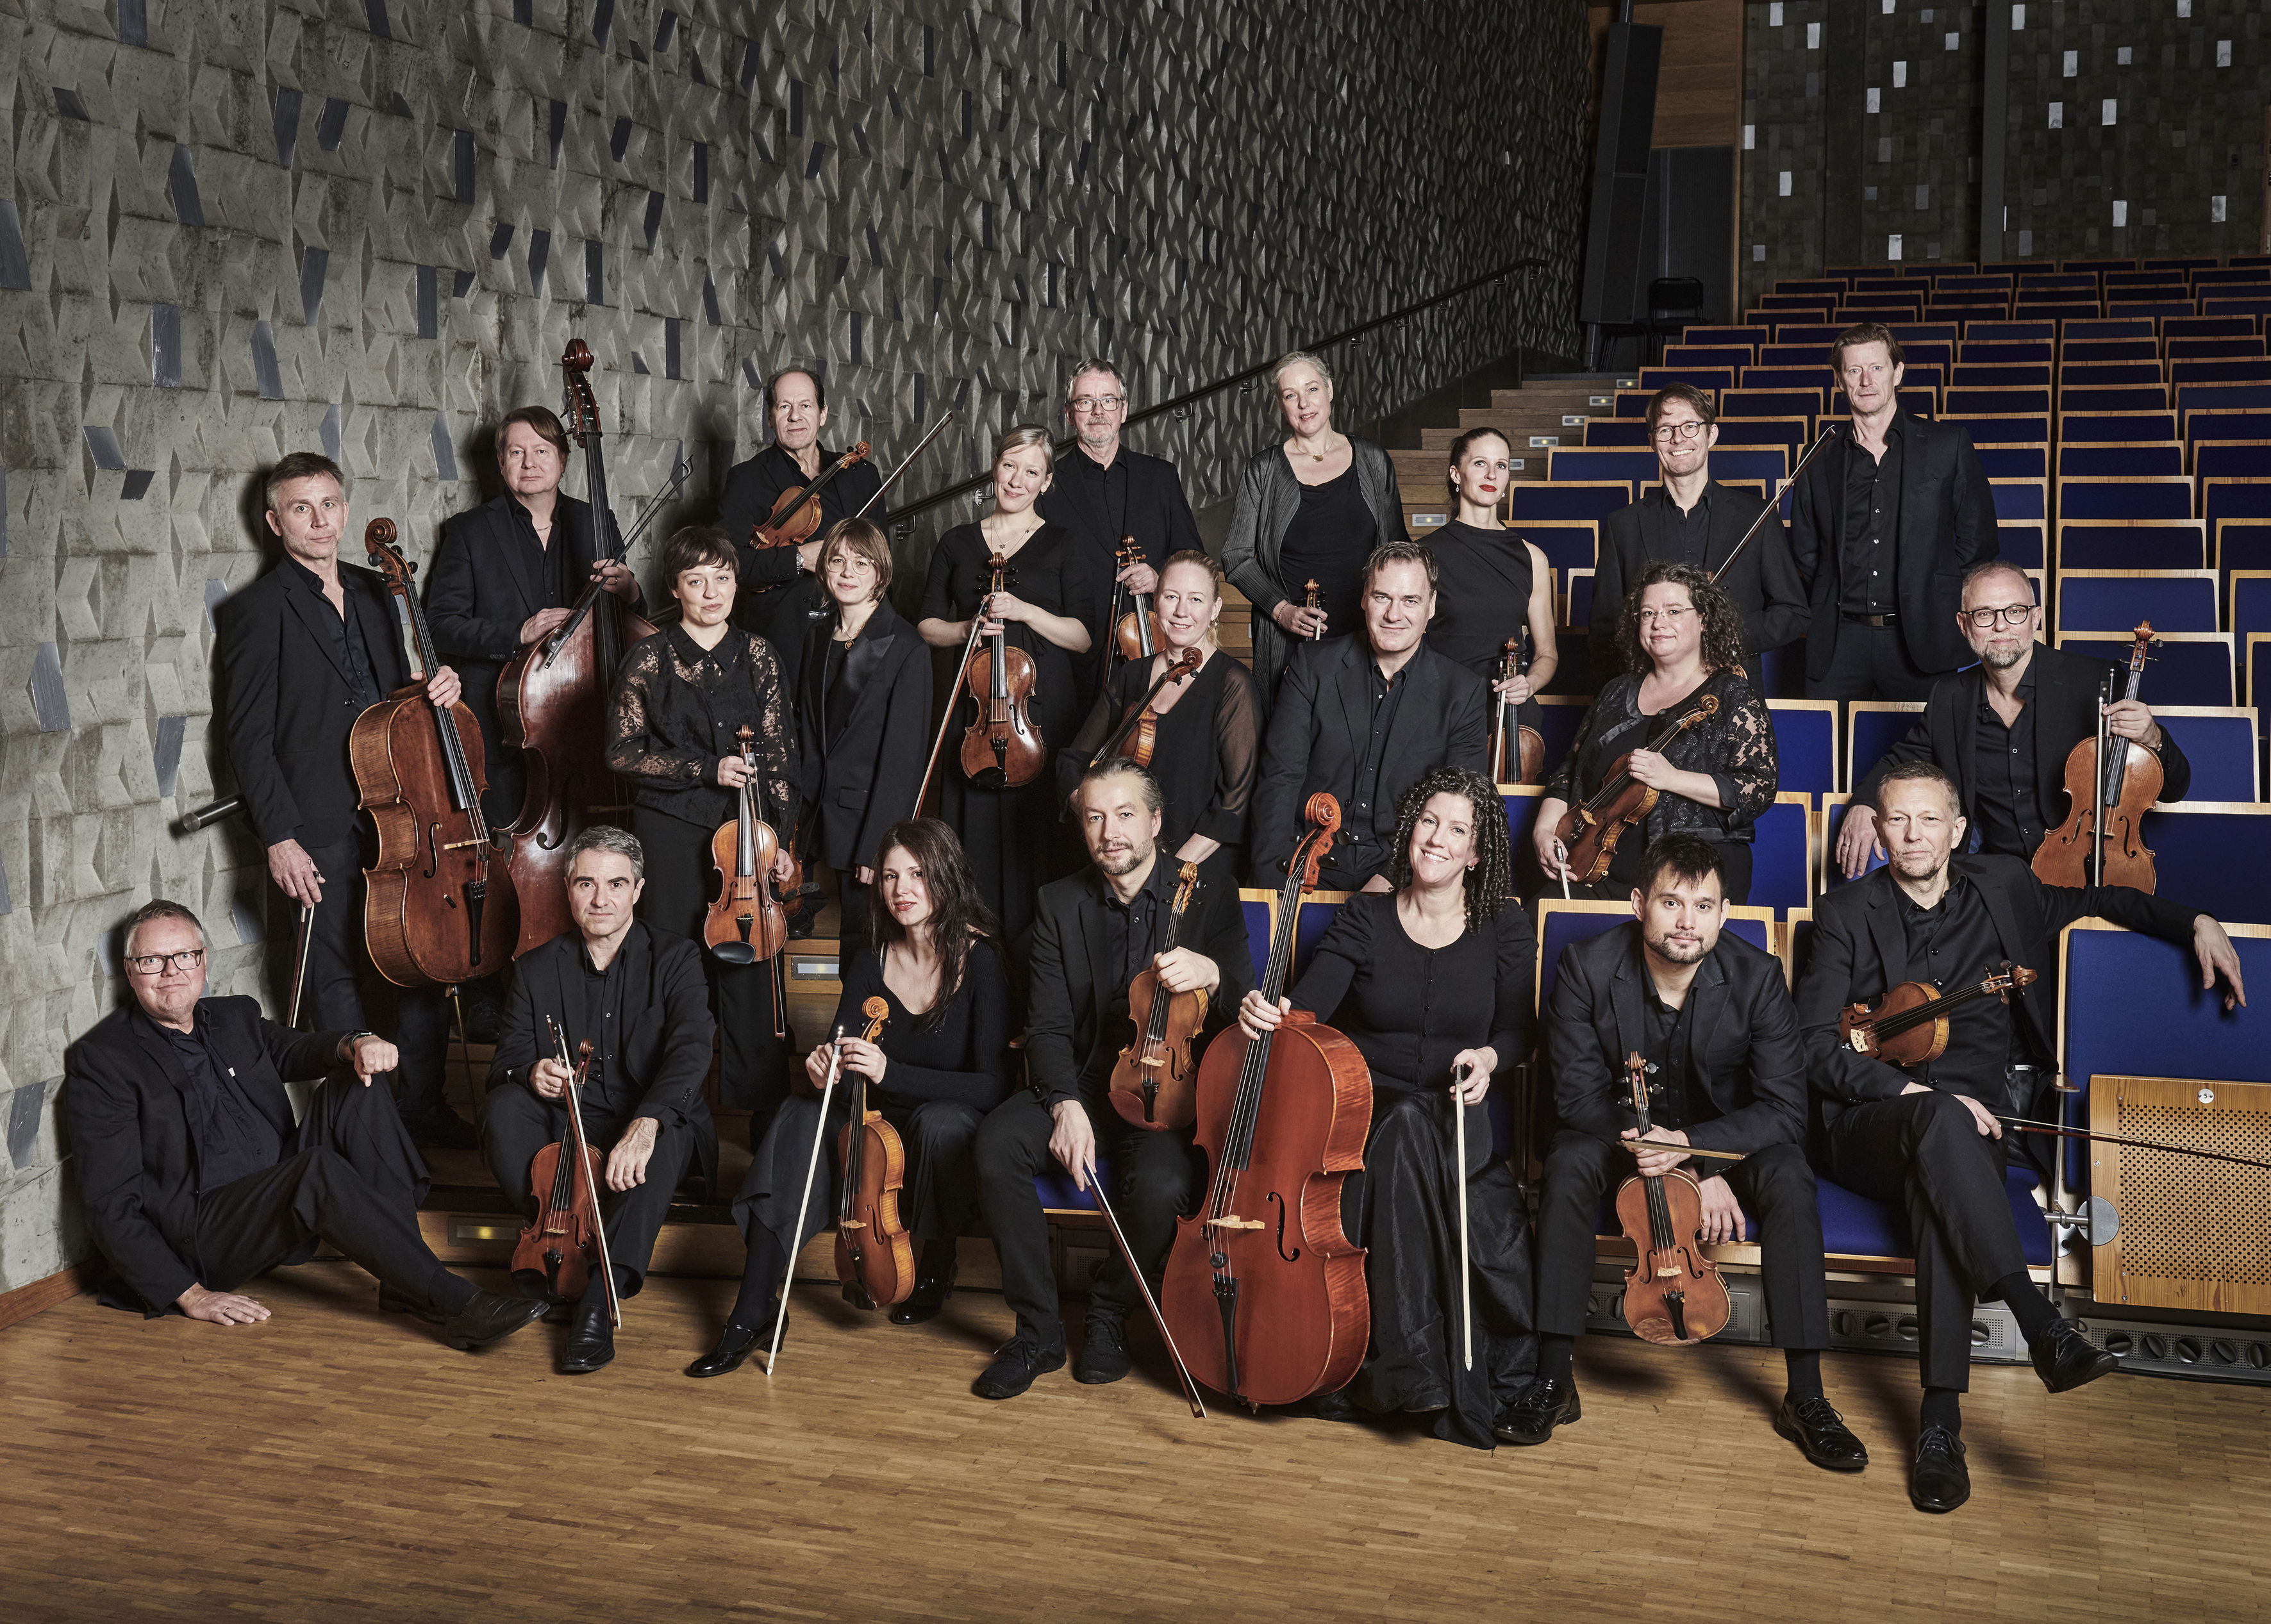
pixel 1616 279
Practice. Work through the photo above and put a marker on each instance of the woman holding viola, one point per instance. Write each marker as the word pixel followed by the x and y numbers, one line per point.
pixel 1491 585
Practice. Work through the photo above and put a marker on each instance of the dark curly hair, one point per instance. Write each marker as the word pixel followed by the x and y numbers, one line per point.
pixel 958 913
pixel 1490 882
pixel 1723 623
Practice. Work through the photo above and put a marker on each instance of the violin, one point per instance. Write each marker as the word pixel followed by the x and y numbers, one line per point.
pixel 439 907
pixel 568 1238
pixel 1153 1083
pixel 1673 1294
pixel 2100 842
pixel 795 516
pixel 1137 737
pixel 1909 1025
pixel 874 1255
pixel 1137 633
pixel 1588 831
pixel 1263 1289
pixel 745 921
pixel 552 700
pixel 1529 752
pixel 1313 599
pixel 1001 748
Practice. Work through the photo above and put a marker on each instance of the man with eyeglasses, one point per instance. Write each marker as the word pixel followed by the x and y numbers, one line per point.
pixel 2003 729
pixel 1691 518
pixel 1105 493
pixel 196 1177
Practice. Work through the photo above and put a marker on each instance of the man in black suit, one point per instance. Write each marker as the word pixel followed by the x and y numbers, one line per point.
pixel 1929 1139
pixel 1094 933
pixel 1361 718
pixel 196 1177
pixel 305 650
pixel 1882 528
pixel 1693 519
pixel 777 588
pixel 2003 729
pixel 640 998
pixel 1711 1018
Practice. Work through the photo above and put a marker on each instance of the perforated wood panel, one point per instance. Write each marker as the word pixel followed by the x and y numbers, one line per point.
pixel 2194 1233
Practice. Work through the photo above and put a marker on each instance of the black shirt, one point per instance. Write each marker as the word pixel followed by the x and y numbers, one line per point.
pixel 1330 537
pixel 1951 946
pixel 960 1051
pixel 1687 534
pixel 547 564
pixel 1387 701
pixel 1873 524
pixel 751 489
pixel 346 638
pixel 233 1138
pixel 674 714
pixel 2006 795
pixel 1664 1047
pixel 602 1022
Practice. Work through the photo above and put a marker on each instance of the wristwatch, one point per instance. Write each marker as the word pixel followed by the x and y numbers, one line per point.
pixel 347 1043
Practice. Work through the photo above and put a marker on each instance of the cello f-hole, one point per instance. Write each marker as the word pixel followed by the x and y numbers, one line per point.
pixel 1284 1213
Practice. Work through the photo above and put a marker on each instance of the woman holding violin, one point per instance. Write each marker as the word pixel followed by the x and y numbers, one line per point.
pixel 1204 738
pixel 1053 590
pixel 1432 981
pixel 1491 585
pixel 772 579
pixel 1680 741
pixel 680 698
pixel 942 1061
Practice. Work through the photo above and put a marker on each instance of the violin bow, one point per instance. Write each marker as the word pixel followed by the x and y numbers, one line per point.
pixel 804 1203
pixel 2028 1125
pixel 678 473
pixel 954 699
pixel 909 462
pixel 1829 431
pixel 1459 1177
pixel 307 937
pixel 1128 1257
pixel 1637 1145
pixel 576 1145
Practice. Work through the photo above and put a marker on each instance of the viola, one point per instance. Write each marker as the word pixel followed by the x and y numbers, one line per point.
pixel 1001 748
pixel 1137 634
pixel 2100 842
pixel 568 1238
pixel 1529 753
pixel 1137 737
pixel 1314 599
pixel 874 1255
pixel 552 700
pixel 1673 1294
pixel 1264 1290
pixel 1909 1025
pixel 1588 831
pixel 1153 1082
pixel 795 516
pixel 439 907
pixel 745 922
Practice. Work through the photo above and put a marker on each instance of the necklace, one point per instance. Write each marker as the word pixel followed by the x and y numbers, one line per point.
pixel 1321 456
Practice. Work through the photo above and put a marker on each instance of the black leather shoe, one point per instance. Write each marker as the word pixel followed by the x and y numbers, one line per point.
pixel 1016 1362
pixel 397 1302
pixel 2065 1359
pixel 1820 1433
pixel 1103 1348
pixel 489 1318
pixel 441 1129
pixel 1545 1404
pixel 591 1342
pixel 1938 1481
pixel 934 1285
pixel 735 1344
pixel 1333 1406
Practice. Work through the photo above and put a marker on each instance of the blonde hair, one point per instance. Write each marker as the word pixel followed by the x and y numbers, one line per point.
pixel 863 539
pixel 1298 357
pixel 1021 436
pixel 1198 560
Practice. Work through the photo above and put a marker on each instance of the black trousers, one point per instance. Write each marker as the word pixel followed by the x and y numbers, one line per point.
pixel 1776 1188
pixel 1872 662
pixel 336 955
pixel 516 1125
pixel 1158 1178
pixel 1924 1153
pixel 351 1178
pixel 752 1059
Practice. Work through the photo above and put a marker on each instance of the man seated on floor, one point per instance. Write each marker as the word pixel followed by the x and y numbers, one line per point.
pixel 196 1177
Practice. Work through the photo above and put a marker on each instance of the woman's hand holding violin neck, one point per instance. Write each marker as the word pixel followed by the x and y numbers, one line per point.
pixel 1651 769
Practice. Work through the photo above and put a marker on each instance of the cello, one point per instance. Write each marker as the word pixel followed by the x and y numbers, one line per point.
pixel 568 1238
pixel 1152 1081
pixel 1264 1290
pixel 1673 1295
pixel 745 921
pixel 2100 842
pixel 874 1255
pixel 439 907
pixel 1529 753
pixel 552 699
pixel 1590 829
pixel 1001 748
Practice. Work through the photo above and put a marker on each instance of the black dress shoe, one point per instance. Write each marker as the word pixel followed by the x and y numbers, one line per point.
pixel 1938 1481
pixel 489 1318
pixel 735 1344
pixel 934 1285
pixel 591 1342
pixel 442 1129
pixel 1103 1348
pixel 1545 1404
pixel 1016 1362
pixel 1820 1433
pixel 1333 1406
pixel 2065 1359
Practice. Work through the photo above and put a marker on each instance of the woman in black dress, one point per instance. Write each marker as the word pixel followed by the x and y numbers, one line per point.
pixel 941 1063
pixel 1490 586
pixel 1207 740
pixel 1053 590
pixel 1682 638
pixel 1433 982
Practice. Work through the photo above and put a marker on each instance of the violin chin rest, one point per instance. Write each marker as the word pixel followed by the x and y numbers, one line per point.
pixel 735 953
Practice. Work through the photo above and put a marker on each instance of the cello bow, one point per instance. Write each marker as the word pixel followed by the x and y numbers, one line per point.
pixel 1128 1257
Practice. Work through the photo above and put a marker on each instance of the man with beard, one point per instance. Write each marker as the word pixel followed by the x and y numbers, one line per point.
pixel 2003 729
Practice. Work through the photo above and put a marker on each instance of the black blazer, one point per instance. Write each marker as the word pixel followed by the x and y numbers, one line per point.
pixel 1860 949
pixel 751 489
pixel 867 782
pixel 288 703
pixel 1743 1048
pixel 134 1141
pixel 2065 700
pixel 1763 582
pixel 1320 719
pixel 1947 525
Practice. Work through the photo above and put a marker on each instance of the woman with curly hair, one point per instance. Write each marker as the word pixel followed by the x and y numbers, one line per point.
pixel 1433 982
pixel 1682 638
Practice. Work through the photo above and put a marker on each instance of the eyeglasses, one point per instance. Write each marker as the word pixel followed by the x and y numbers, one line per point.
pixel 152 964
pixel 1098 403
pixel 1668 432
pixel 2008 614
pixel 1670 617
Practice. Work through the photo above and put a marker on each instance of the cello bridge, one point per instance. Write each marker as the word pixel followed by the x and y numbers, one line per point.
pixel 459 846
pixel 1231 1221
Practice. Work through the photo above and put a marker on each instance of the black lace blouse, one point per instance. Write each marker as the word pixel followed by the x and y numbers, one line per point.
pixel 1736 747
pixel 675 710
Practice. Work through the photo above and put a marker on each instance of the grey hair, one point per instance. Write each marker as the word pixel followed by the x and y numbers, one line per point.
pixel 1295 358
pixel 1022 434
pixel 607 838
pixel 158 908
pixel 1094 363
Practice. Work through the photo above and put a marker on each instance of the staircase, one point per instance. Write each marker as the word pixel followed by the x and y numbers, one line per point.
pixel 1545 412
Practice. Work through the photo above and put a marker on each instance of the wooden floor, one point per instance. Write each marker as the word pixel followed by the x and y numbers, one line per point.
pixel 337 1463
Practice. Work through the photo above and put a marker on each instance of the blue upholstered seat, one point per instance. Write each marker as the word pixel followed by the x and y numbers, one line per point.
pixel 1781 855
pixel 2189 667
pixel 1805 744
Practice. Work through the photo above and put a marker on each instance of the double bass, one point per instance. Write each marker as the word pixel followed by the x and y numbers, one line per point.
pixel 1263 1289
pixel 567 1240
pixel 1589 830
pixel 1673 1295
pixel 1002 748
pixel 874 1255
pixel 552 699
pixel 439 907
pixel 1153 1082
pixel 2100 842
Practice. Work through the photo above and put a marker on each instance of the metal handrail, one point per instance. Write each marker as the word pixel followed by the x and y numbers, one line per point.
pixel 1180 402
